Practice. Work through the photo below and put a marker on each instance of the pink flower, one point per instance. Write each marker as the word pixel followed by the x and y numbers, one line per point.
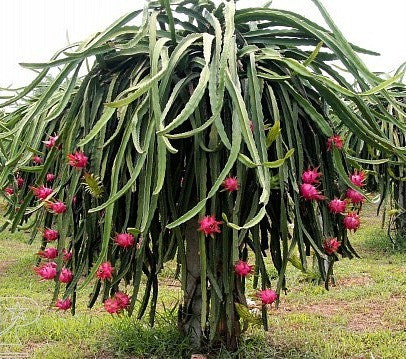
pixel 47 271
pixel 67 255
pixel 9 191
pixel 74 199
pixel 231 184
pixel 358 178
pixel 66 275
pixel 310 192
pixel 63 304
pixel 123 300
pixel 37 160
pixel 311 175
pixel 112 306
pixel 352 221
pixel 337 206
pixel 20 181
pixel 124 240
pixel 331 245
pixel 354 196
pixel 50 234
pixel 209 225
pixel 251 126
pixel 78 160
pixel 41 192
pixel 105 271
pixel 119 302
pixel 267 296
pixel 335 141
pixel 243 268
pixel 51 142
pixel 48 253
pixel 50 177
pixel 57 207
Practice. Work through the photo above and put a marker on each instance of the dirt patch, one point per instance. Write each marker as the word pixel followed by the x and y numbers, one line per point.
pixel 104 356
pixel 374 315
pixel 169 282
pixel 357 281
pixel 323 309
pixel 363 280
pixel 362 316
pixel 4 265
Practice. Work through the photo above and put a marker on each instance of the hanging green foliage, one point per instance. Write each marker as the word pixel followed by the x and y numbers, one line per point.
pixel 198 135
pixel 386 172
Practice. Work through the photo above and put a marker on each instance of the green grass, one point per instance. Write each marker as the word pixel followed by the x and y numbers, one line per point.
pixel 362 316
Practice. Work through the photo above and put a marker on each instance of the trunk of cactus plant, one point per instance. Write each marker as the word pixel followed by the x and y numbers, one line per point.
pixel 402 184
pixel 190 310
pixel 228 336
pixel 402 195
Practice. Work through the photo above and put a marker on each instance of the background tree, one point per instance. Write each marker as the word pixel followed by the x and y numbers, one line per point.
pixel 386 172
pixel 198 135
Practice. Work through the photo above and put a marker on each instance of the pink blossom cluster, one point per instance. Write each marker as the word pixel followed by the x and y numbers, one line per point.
pixel 346 206
pixel 118 303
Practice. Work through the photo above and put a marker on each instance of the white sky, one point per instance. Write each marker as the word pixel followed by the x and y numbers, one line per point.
pixel 33 30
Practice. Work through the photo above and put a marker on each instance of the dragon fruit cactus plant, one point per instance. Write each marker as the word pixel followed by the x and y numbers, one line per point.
pixel 212 142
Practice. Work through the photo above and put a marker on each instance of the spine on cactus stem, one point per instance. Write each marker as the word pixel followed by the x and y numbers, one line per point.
pixel 212 147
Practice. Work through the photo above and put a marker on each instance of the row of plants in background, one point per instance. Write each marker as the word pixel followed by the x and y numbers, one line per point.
pixel 210 141
pixel 387 176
